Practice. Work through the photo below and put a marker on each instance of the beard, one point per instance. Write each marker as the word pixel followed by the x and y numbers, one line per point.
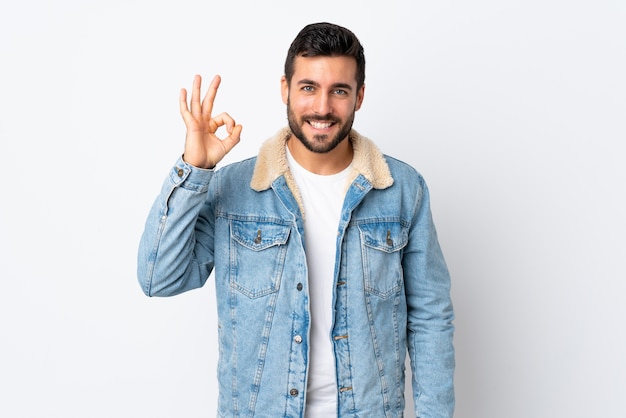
pixel 319 143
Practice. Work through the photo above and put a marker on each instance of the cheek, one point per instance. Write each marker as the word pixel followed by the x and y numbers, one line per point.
pixel 300 105
pixel 347 109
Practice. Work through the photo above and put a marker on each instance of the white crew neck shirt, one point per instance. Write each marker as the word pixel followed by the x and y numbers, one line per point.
pixel 322 198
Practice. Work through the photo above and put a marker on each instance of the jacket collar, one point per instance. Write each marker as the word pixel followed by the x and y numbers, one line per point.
pixel 272 163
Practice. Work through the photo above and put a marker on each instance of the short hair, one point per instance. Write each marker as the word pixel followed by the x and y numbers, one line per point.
pixel 326 39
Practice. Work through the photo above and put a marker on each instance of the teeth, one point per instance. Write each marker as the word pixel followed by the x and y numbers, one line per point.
pixel 320 125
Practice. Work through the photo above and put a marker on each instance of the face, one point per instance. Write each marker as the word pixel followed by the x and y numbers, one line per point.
pixel 321 101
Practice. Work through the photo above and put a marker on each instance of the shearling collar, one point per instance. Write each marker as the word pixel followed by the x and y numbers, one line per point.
pixel 272 163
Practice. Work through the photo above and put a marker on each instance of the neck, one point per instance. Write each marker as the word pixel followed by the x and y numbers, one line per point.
pixel 324 164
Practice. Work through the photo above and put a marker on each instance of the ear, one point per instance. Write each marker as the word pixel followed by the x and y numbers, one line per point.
pixel 359 97
pixel 284 89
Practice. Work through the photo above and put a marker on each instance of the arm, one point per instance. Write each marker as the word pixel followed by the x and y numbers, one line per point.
pixel 176 248
pixel 175 251
pixel 430 316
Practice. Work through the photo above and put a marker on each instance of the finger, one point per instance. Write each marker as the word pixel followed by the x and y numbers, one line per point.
pixel 209 98
pixel 182 102
pixel 221 120
pixel 196 108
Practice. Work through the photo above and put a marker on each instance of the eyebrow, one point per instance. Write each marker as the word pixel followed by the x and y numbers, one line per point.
pixel 316 84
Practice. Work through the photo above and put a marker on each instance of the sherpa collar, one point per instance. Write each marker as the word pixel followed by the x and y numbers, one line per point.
pixel 272 163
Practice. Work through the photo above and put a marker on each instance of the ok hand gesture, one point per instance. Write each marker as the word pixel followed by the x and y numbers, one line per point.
pixel 203 148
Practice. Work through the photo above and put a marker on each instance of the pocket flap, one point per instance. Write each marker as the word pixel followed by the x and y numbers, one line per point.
pixel 257 235
pixel 385 236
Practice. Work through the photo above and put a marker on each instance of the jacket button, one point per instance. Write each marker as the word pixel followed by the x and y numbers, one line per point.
pixel 180 172
pixel 297 339
pixel 293 392
pixel 299 286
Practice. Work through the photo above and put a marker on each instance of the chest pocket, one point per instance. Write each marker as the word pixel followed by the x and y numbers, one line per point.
pixel 381 247
pixel 257 256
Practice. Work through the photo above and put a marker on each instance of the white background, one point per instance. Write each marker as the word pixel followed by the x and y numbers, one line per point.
pixel 514 111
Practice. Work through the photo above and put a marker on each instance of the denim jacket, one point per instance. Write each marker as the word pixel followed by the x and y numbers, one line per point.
pixel 391 286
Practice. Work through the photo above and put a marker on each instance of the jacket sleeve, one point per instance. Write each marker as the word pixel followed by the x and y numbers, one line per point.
pixel 176 248
pixel 430 315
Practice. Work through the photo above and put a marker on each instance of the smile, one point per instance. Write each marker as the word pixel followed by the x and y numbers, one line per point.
pixel 320 125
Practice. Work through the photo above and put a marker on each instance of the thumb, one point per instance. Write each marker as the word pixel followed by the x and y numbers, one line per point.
pixel 233 139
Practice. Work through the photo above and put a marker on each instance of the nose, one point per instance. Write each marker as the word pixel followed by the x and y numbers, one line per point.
pixel 322 104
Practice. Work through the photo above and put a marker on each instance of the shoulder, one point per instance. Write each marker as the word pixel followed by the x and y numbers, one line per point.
pixel 239 172
pixel 239 167
pixel 402 171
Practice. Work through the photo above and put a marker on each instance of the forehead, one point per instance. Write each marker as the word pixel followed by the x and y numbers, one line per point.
pixel 325 70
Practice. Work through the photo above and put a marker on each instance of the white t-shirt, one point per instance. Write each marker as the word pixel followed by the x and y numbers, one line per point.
pixel 323 198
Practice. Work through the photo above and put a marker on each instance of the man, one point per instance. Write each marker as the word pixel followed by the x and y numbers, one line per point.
pixel 327 264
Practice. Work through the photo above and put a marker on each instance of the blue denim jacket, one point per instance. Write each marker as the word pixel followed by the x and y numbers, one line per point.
pixel 392 288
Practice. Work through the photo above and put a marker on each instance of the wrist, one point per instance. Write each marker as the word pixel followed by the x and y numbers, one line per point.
pixel 198 164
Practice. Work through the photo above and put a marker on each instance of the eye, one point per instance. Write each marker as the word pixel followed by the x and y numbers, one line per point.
pixel 340 92
pixel 308 89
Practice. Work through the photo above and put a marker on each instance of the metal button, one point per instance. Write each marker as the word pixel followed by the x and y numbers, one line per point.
pixel 299 286
pixel 297 339
pixel 293 392
pixel 180 172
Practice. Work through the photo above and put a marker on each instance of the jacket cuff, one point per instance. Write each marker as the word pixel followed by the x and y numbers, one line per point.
pixel 189 177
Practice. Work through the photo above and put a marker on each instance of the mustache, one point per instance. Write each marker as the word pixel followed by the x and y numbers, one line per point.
pixel 322 118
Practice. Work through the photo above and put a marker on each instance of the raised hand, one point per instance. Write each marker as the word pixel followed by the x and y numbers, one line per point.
pixel 203 148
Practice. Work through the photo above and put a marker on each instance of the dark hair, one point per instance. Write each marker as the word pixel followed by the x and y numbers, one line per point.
pixel 326 39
